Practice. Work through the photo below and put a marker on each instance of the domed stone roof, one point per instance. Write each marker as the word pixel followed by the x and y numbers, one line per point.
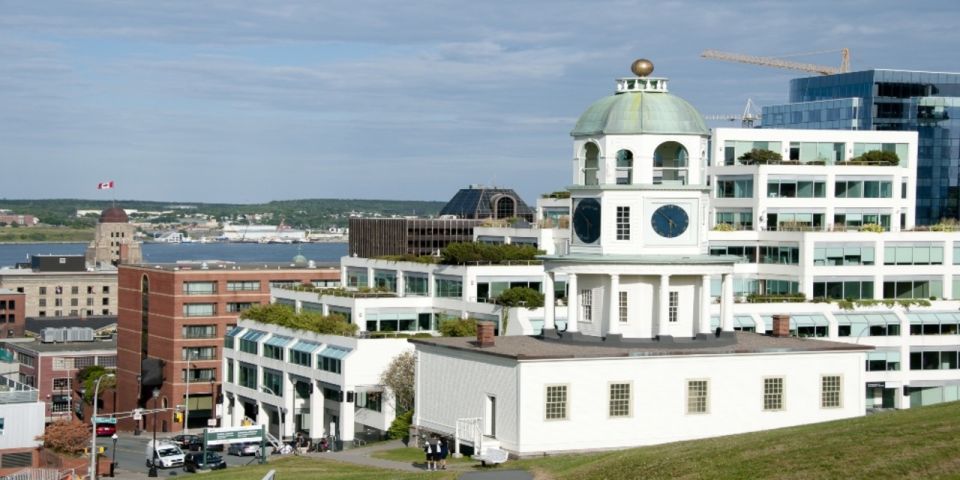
pixel 631 113
pixel 114 215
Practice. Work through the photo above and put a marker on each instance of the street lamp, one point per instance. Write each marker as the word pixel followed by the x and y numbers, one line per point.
pixel 153 460
pixel 113 461
pixel 93 432
pixel 281 410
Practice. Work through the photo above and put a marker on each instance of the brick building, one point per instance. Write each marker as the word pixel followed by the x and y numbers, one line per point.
pixel 175 311
pixel 52 369
pixel 12 315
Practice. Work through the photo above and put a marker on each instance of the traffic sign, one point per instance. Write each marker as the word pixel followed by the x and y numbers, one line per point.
pixel 222 436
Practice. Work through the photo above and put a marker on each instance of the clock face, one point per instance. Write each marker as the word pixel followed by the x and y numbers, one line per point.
pixel 670 221
pixel 586 220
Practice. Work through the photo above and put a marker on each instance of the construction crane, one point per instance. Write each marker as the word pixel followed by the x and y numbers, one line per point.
pixel 748 119
pixel 787 64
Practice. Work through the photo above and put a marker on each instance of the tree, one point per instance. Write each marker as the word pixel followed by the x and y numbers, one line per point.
pixel 877 157
pixel 458 328
pixel 760 156
pixel 517 297
pixel 284 316
pixel 87 377
pixel 398 377
pixel 66 436
pixel 472 252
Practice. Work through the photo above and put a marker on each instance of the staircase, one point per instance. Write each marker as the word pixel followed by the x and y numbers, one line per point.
pixel 274 441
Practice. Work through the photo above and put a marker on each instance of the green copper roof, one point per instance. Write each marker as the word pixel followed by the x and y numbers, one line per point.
pixel 632 113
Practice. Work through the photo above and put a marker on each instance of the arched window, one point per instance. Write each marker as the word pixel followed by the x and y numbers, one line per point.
pixel 591 164
pixel 506 207
pixel 624 167
pixel 670 164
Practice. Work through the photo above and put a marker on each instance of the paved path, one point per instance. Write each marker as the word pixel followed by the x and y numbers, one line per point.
pixel 361 456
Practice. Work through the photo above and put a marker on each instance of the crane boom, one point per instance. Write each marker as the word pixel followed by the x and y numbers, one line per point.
pixel 780 63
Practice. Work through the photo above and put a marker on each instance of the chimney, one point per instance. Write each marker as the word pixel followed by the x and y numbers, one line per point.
pixel 485 334
pixel 781 326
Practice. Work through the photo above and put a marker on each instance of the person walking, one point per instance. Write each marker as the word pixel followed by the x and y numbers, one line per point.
pixel 444 451
pixel 428 450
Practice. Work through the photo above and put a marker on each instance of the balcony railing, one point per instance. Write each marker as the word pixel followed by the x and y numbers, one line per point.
pixel 16 392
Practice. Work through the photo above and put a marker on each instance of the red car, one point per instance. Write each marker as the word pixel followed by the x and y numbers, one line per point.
pixel 106 429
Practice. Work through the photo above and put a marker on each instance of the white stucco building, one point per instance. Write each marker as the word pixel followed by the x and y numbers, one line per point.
pixel 638 361
pixel 276 375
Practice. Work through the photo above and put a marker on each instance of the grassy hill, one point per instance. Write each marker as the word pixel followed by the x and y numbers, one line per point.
pixel 923 443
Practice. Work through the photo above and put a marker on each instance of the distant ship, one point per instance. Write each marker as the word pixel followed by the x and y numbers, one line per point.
pixel 263 234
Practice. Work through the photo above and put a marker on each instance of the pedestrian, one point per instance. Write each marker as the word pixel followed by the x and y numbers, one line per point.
pixel 428 451
pixel 444 451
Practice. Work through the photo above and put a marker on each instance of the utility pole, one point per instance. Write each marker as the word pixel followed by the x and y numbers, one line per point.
pixel 93 433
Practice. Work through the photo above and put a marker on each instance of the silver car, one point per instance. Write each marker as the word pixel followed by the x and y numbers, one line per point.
pixel 243 449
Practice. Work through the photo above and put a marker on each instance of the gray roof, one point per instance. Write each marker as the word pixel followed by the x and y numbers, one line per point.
pixel 535 348
pixel 36 324
pixel 68 347
pixel 477 203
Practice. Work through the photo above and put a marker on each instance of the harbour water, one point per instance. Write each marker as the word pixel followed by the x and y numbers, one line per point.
pixel 13 253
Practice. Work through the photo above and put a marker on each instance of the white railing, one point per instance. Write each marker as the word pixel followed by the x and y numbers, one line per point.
pixel 469 430
pixel 39 474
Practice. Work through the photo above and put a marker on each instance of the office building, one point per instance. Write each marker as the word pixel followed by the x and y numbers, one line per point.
pixel 889 100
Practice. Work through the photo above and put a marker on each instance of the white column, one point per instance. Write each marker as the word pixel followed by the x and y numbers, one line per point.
pixel 370 282
pixel 549 302
pixel 400 285
pixel 316 411
pixel 726 303
pixel 613 311
pixel 346 419
pixel 287 401
pixel 705 305
pixel 431 289
pixel 664 304
pixel 263 417
pixel 573 303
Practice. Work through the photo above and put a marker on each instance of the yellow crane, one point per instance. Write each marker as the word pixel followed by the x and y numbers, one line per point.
pixel 787 64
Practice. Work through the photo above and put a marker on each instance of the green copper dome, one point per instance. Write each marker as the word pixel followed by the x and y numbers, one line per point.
pixel 631 113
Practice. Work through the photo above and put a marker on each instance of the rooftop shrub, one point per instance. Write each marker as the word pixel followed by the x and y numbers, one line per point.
pixel 284 316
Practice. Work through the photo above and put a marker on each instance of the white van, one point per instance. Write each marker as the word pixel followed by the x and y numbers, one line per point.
pixel 167 454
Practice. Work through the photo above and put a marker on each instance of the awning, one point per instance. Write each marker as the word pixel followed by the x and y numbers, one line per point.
pixel 234 331
pixel 935 348
pixel 305 346
pixel 933 318
pixel 278 341
pixel 744 321
pixel 883 318
pixel 885 355
pixel 337 353
pixel 253 335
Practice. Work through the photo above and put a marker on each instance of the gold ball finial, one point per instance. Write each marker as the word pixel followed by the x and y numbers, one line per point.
pixel 641 67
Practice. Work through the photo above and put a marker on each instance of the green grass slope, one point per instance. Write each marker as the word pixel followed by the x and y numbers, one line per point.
pixel 921 443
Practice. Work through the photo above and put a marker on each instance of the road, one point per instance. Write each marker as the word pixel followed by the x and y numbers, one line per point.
pixel 131 455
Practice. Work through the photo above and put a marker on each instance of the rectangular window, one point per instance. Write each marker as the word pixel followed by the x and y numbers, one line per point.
pixel 448 287
pixel 248 346
pixel 370 401
pixel 198 375
pixel 586 305
pixel 328 364
pixel 773 394
pixel 673 306
pixel 199 288
pixel 556 403
pixel 199 309
pixel 61 384
pixel 415 284
pixel 237 307
pixel 199 331
pixel 300 358
pixel 230 371
pixel 624 309
pixel 199 353
pixel 248 375
pixel 623 223
pixel 272 382
pixel 619 400
pixel 243 286
pixel 830 391
pixel 273 351
pixel 697 396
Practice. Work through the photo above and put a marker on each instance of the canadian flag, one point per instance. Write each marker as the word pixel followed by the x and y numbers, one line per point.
pixel 105 185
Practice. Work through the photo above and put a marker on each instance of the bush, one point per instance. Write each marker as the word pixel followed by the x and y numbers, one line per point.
pixel 723 227
pixel 760 156
pixel 458 328
pixel 66 437
pixel 945 225
pixel 792 297
pixel 471 252
pixel 400 428
pixel 284 316
pixel 877 157
pixel 872 227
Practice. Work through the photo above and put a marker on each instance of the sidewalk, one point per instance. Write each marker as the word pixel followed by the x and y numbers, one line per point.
pixel 361 456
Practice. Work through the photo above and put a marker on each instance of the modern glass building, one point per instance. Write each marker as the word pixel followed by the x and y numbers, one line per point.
pixel 927 102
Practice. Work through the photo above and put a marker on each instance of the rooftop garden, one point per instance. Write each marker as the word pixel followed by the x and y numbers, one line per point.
pixel 284 316
pixel 760 156
pixel 475 253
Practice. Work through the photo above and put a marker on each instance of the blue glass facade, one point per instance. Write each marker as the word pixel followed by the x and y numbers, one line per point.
pixel 926 102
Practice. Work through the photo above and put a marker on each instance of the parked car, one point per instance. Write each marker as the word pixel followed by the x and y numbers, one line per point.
pixel 242 449
pixel 166 454
pixel 106 429
pixel 196 461
pixel 188 442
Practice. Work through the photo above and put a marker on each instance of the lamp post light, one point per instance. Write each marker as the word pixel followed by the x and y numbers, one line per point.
pixel 153 460
pixel 113 461
pixel 93 432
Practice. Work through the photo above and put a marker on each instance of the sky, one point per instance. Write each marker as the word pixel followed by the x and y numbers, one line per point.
pixel 252 101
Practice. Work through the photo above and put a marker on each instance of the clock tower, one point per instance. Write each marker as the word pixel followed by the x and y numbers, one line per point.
pixel 637 267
